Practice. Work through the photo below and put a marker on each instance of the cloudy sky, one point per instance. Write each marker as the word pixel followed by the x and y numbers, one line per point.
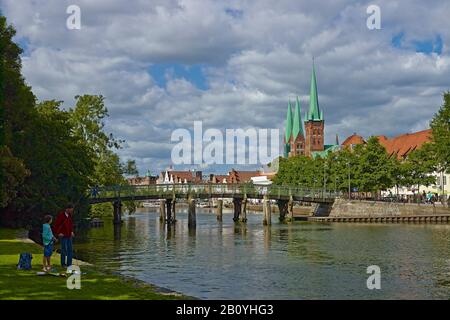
pixel 234 64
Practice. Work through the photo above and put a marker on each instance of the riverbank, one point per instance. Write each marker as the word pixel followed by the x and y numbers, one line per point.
pixel 95 284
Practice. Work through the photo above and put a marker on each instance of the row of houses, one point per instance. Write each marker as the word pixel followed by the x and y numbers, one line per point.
pixel 171 176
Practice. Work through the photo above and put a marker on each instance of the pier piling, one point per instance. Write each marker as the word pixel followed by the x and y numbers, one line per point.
pixel 162 211
pixel 219 209
pixel 267 211
pixel 192 223
pixel 117 212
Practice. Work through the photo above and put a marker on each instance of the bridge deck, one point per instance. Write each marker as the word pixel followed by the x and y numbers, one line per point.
pixel 204 191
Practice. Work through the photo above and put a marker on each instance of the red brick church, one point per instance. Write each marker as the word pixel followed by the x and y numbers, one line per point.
pixel 308 138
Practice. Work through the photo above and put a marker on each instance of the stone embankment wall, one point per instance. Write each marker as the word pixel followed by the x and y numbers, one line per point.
pixel 356 208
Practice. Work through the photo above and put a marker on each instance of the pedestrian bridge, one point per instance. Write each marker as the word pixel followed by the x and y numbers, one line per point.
pixel 168 194
pixel 210 191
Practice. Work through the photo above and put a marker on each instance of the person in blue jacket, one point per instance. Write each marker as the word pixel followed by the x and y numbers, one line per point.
pixel 47 239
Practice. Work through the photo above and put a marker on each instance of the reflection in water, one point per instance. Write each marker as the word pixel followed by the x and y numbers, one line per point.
pixel 267 237
pixel 117 231
pixel 224 260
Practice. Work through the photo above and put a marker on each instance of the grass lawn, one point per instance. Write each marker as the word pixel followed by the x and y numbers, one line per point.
pixel 19 284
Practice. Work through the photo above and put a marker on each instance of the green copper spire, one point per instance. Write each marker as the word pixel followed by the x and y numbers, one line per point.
pixel 288 123
pixel 314 112
pixel 297 127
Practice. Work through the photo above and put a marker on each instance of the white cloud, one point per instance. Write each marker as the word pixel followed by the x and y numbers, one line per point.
pixel 253 61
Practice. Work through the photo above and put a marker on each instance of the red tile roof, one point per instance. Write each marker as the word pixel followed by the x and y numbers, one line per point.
pixel 353 139
pixel 403 144
pixel 242 176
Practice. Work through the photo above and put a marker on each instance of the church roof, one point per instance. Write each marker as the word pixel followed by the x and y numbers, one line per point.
pixel 326 148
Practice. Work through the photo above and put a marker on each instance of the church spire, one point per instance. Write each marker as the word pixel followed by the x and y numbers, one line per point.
pixel 288 129
pixel 297 127
pixel 314 112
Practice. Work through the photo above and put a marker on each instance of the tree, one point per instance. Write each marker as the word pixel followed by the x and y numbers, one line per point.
pixel 16 113
pixel 44 166
pixel 440 126
pixel 374 168
pixel 130 168
pixel 13 173
pixel 419 165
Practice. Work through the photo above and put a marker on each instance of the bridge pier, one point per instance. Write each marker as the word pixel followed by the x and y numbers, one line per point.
pixel 267 211
pixel 117 204
pixel 283 209
pixel 192 223
pixel 244 209
pixel 169 205
pixel 219 209
pixel 237 209
pixel 162 211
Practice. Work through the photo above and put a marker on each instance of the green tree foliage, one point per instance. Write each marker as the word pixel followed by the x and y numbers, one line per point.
pixel 417 167
pixel 16 112
pixel 440 126
pixel 13 173
pixel 367 168
pixel 49 156
pixel 87 118
pixel 373 169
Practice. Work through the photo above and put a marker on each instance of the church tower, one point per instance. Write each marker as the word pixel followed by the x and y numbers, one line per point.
pixel 314 123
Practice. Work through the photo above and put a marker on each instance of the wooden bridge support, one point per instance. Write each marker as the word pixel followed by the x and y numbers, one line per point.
pixel 219 210
pixel 162 211
pixel 283 209
pixel 192 223
pixel 237 209
pixel 117 212
pixel 267 211
pixel 244 209
pixel 169 208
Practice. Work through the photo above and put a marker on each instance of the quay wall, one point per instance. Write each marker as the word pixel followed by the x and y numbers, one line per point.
pixel 355 208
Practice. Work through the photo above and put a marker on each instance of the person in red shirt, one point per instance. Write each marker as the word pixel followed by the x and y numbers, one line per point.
pixel 63 228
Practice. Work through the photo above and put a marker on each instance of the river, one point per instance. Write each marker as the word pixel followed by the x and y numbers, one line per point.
pixel 303 260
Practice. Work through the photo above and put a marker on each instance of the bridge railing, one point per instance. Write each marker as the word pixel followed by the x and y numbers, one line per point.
pixel 207 189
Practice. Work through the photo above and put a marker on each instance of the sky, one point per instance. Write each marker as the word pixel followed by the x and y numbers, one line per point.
pixel 162 65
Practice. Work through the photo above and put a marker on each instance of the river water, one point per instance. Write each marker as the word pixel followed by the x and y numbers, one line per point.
pixel 303 260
